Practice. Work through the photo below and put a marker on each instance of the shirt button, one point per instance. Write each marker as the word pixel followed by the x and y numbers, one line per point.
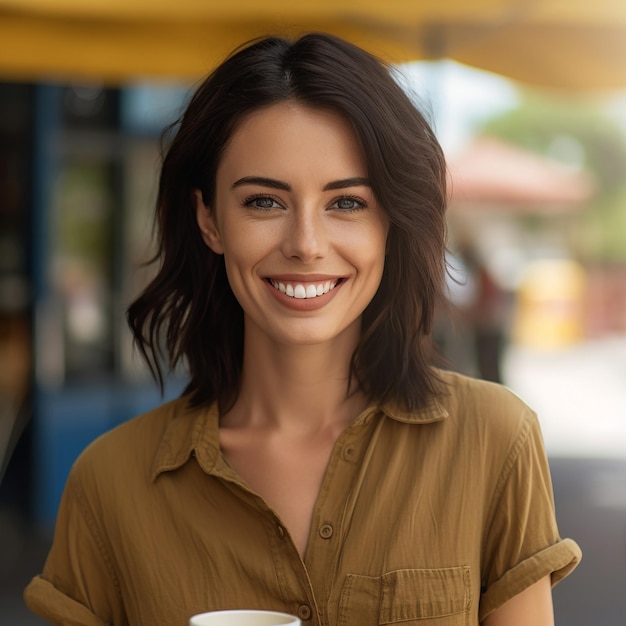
pixel 281 531
pixel 348 453
pixel 326 531
pixel 304 611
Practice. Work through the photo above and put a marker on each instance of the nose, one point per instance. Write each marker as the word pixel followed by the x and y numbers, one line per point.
pixel 305 237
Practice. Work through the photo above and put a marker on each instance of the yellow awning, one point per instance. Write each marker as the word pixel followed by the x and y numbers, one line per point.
pixel 574 45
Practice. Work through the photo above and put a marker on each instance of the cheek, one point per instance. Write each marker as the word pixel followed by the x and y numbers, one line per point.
pixel 376 245
pixel 244 248
pixel 378 250
pixel 369 259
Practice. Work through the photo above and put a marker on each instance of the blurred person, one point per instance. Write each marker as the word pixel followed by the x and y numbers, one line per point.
pixel 316 464
pixel 488 315
pixel 490 326
pixel 453 333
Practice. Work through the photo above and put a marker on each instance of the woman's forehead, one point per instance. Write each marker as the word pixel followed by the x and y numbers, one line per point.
pixel 290 134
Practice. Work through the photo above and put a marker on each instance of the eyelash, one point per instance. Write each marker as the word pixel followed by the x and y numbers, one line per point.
pixel 249 202
pixel 362 204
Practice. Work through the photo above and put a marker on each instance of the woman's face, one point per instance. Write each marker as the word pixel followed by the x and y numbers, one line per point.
pixel 301 232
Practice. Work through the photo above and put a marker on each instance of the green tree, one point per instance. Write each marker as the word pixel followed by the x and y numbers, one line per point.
pixel 580 133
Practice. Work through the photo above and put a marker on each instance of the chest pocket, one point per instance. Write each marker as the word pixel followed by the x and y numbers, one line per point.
pixel 425 597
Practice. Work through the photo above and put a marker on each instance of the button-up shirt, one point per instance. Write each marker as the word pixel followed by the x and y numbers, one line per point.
pixel 436 516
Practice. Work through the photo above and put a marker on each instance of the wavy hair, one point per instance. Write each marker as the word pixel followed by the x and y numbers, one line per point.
pixel 188 312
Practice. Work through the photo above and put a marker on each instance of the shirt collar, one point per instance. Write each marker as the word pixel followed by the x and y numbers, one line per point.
pixel 434 411
pixel 194 431
pixel 190 431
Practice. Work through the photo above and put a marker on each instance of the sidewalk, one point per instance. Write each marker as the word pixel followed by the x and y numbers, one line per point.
pixel 579 394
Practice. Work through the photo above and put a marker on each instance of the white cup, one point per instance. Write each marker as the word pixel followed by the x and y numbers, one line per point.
pixel 244 618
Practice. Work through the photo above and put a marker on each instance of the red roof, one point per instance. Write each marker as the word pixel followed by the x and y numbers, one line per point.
pixel 490 173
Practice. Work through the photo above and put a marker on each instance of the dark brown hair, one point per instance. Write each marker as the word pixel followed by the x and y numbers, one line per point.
pixel 189 305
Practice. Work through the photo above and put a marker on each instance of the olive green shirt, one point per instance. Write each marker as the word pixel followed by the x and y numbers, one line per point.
pixel 432 517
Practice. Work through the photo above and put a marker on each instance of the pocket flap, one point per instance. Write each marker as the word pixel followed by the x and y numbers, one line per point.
pixel 411 594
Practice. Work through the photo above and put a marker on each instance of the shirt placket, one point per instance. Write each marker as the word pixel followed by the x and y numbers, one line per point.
pixel 307 586
pixel 332 513
pixel 291 574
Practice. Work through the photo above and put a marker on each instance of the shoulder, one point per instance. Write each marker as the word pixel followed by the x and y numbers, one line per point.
pixel 127 451
pixel 479 394
pixel 485 411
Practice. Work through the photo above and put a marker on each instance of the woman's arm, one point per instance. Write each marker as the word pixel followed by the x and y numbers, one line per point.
pixel 532 607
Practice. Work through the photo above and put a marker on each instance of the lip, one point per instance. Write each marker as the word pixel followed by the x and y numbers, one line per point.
pixel 304 304
pixel 303 278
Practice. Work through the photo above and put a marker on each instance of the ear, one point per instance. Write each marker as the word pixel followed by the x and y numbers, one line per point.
pixel 206 222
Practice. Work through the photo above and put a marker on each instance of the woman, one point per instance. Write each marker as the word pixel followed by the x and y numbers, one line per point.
pixel 316 464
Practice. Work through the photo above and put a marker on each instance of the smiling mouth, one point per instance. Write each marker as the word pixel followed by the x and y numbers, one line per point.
pixel 303 291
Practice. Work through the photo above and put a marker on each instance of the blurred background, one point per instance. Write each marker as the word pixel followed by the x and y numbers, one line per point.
pixel 529 102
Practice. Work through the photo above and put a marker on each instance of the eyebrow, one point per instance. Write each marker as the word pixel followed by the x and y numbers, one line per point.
pixel 355 181
pixel 263 182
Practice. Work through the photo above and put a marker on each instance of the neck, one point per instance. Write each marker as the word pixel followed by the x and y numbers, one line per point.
pixel 303 387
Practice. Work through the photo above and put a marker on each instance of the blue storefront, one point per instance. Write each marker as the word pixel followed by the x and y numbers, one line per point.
pixel 89 158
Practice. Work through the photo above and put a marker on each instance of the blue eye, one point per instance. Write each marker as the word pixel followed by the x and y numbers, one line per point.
pixel 349 203
pixel 261 202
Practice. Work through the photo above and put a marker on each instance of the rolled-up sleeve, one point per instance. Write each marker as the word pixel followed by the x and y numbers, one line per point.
pixel 77 586
pixel 522 542
pixel 44 599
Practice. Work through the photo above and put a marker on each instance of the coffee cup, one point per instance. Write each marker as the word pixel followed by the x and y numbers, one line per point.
pixel 244 617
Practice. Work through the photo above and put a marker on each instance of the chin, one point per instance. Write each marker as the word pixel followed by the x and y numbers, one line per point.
pixel 305 335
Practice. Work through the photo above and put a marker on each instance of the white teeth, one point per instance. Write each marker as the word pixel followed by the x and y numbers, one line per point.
pixel 301 291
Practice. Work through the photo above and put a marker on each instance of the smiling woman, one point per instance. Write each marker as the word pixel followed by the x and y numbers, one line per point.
pixel 302 215
pixel 317 463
